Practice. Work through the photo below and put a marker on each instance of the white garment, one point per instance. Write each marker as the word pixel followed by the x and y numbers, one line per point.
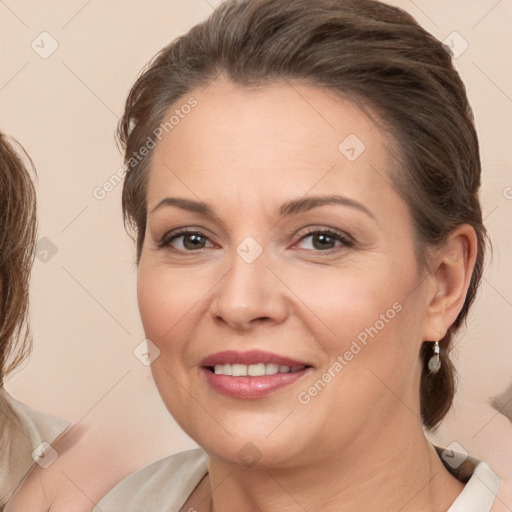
pixel 166 485
pixel 22 430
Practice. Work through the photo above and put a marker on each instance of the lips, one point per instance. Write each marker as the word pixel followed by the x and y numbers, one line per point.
pixel 250 375
pixel 249 358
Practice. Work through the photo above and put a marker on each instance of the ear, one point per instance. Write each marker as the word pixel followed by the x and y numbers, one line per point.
pixel 451 275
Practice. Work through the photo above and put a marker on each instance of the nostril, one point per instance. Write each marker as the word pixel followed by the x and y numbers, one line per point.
pixel 262 319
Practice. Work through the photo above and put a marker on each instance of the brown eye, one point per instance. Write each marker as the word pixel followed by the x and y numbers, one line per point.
pixel 186 241
pixel 323 241
pixel 194 241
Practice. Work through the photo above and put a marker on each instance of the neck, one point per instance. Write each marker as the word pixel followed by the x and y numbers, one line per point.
pixel 383 472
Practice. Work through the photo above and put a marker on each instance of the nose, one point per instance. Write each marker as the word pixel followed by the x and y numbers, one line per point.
pixel 249 295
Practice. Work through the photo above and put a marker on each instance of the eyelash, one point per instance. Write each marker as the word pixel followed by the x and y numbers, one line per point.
pixel 166 240
pixel 345 240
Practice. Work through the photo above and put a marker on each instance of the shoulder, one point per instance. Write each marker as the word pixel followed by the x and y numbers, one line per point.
pixel 37 426
pixel 25 434
pixel 163 485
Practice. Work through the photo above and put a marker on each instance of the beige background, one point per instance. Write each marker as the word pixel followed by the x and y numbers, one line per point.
pixel 64 110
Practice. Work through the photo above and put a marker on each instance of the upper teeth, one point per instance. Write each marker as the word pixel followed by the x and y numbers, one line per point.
pixel 254 370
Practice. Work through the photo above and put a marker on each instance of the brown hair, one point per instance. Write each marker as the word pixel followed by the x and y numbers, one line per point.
pixel 366 51
pixel 17 244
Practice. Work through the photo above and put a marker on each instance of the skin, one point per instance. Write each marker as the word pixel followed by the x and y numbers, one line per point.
pixel 359 442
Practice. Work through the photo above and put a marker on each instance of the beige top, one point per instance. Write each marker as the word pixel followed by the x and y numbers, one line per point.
pixel 23 430
pixel 166 485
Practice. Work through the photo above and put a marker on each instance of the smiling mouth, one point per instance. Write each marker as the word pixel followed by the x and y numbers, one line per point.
pixel 254 370
pixel 252 374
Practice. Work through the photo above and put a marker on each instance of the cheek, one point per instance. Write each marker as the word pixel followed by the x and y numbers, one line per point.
pixel 167 303
pixel 371 323
pixel 348 302
pixel 172 302
pixel 166 298
pixel 156 305
pixel 163 307
pixel 369 317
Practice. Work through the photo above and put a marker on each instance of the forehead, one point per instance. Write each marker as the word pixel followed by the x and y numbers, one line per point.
pixel 279 139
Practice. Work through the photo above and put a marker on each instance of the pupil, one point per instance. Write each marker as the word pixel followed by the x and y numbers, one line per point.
pixel 193 242
pixel 323 242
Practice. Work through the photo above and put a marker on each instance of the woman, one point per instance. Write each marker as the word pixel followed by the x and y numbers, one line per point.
pixel 303 181
pixel 26 434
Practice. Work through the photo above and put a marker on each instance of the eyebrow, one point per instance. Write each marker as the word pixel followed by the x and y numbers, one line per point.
pixel 308 203
pixel 287 209
pixel 187 204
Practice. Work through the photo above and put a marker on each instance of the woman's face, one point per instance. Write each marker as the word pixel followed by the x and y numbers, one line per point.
pixel 298 255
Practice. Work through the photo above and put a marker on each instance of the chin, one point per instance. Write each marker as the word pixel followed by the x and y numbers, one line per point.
pixel 252 440
pixel 254 452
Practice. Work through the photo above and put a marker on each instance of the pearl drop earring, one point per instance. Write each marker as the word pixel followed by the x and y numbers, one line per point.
pixel 434 363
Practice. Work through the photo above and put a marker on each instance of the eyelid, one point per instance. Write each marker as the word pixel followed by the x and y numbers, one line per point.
pixel 345 238
pixel 168 237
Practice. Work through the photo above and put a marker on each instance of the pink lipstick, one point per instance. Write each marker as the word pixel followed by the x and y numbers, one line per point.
pixel 253 374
